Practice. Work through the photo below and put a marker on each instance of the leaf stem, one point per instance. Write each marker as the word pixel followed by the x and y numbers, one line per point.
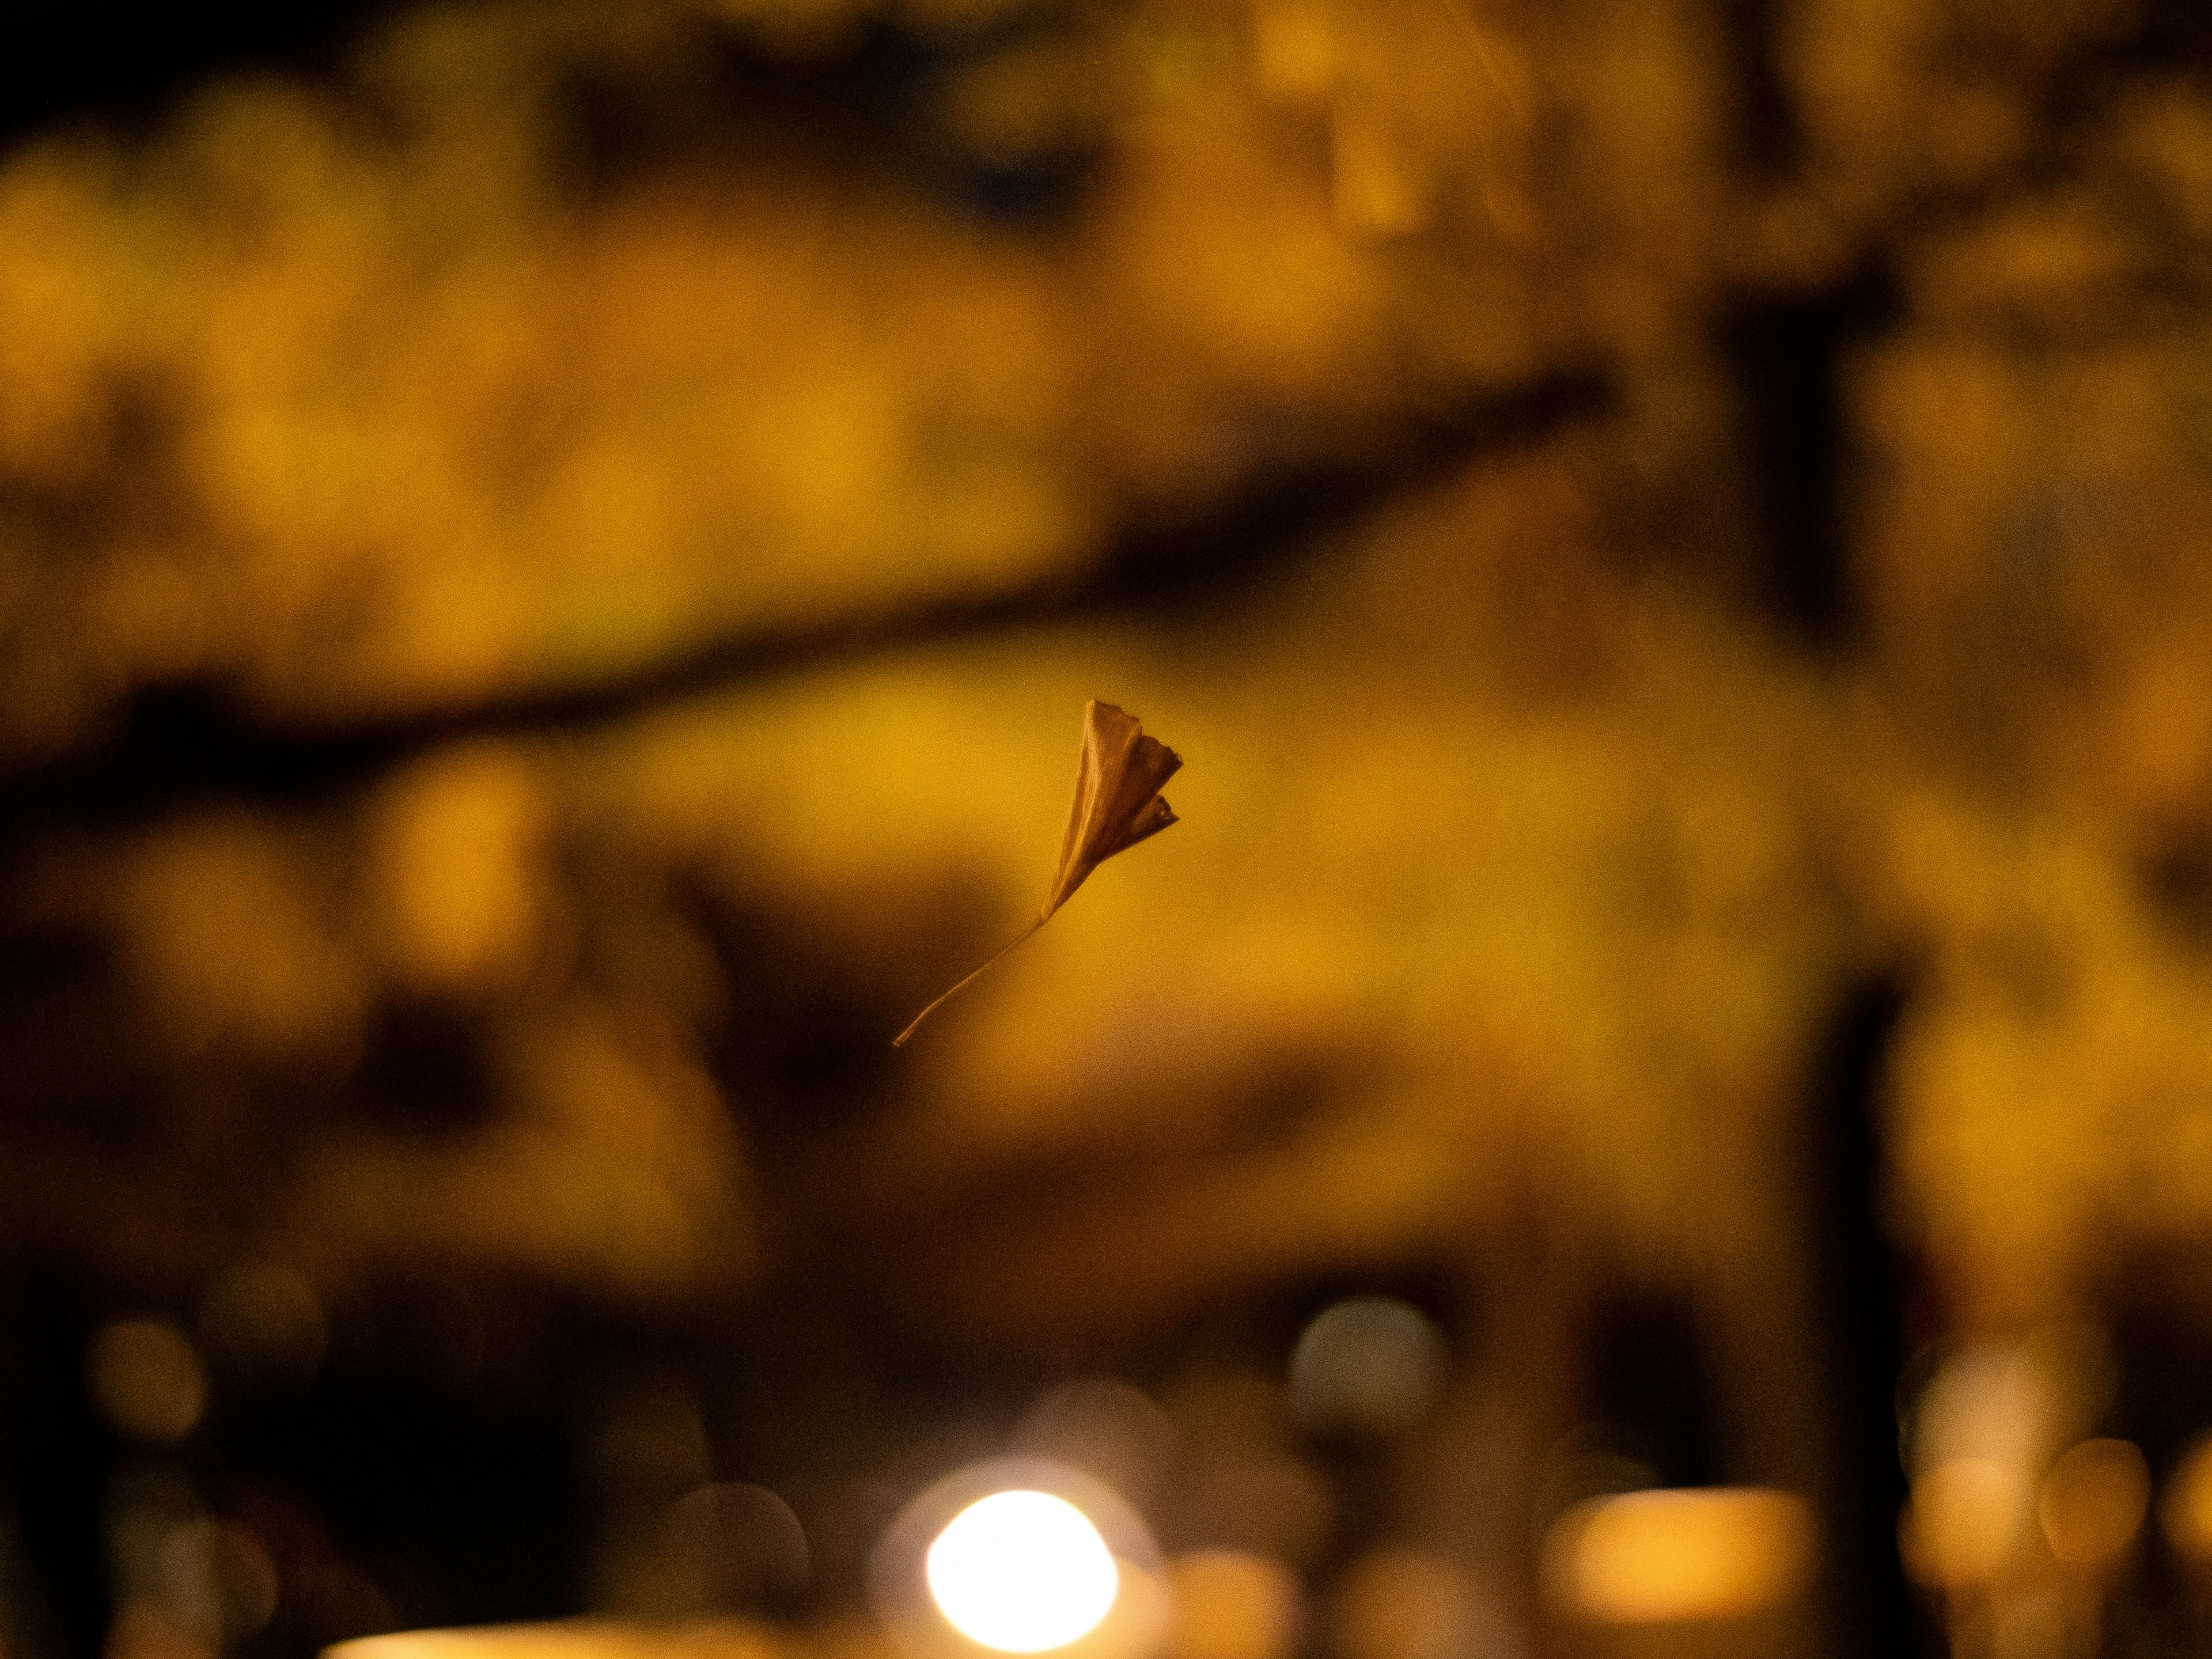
pixel 899 1042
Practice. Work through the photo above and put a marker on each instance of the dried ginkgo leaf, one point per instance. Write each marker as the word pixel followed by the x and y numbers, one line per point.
pixel 1117 804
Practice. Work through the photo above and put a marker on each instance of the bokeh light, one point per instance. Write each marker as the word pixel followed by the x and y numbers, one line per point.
pixel 1022 1571
pixel 1967 1516
pixel 2185 1510
pixel 1020 1555
pixel 2093 1502
pixel 1669 1556
pixel 1369 1365
pixel 734 1548
pixel 1232 1604
pixel 146 1379
pixel 1105 1425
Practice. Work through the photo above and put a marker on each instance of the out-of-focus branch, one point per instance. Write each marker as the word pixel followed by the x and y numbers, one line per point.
pixel 197 741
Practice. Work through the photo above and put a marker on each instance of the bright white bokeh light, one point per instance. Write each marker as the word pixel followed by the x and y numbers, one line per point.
pixel 1022 1571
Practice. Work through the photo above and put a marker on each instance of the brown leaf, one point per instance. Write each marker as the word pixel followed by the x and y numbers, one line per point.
pixel 1117 804
pixel 1117 796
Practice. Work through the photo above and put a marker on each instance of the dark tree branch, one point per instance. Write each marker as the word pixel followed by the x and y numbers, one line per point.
pixel 173 746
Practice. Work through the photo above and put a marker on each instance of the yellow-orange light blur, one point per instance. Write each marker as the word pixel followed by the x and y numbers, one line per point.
pixel 1966 1517
pixel 1021 1572
pixel 2093 1502
pixel 2186 1510
pixel 1666 1556
pixel 1232 1604
pixel 566 1638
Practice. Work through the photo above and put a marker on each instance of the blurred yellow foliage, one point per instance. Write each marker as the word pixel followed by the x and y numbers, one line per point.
pixel 709 531
pixel 454 843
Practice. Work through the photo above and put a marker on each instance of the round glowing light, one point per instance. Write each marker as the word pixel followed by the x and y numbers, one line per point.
pixel 1022 1571
pixel 1020 1555
pixel 1370 1366
pixel 2093 1501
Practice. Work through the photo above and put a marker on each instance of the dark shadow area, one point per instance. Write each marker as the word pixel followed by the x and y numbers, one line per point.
pixel 1649 1393
pixel 1770 145
pixel 58 1459
pixel 1785 358
pixel 123 65
pixel 1859 1282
